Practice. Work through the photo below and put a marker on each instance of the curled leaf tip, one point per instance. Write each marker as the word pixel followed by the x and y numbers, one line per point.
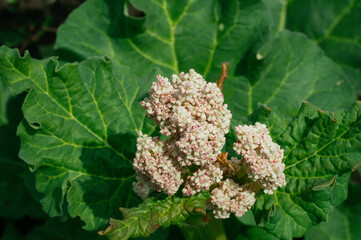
pixel 332 115
pixel 318 187
pixel 106 231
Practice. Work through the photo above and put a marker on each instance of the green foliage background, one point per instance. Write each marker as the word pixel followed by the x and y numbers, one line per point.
pixel 80 119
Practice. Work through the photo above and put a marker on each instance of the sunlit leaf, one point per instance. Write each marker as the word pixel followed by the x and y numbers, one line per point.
pixel 320 152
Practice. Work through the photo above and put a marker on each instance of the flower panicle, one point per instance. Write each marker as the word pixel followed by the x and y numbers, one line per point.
pixel 192 115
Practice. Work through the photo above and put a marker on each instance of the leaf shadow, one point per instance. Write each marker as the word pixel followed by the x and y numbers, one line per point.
pixel 9 142
pixel 108 184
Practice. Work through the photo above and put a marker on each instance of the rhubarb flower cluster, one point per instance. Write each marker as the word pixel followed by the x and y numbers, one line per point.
pixel 229 198
pixel 261 157
pixel 155 170
pixel 202 179
pixel 191 113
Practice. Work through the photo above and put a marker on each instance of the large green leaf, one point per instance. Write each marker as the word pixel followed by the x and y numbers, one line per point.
pixel 202 34
pixel 150 215
pixel 333 25
pixel 343 222
pixel 320 152
pixel 173 37
pixel 81 119
pixel 78 134
pixel 283 76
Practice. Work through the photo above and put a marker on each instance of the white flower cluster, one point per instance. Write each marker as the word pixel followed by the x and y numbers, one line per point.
pixel 191 113
pixel 155 170
pixel 261 157
pixel 202 179
pixel 229 198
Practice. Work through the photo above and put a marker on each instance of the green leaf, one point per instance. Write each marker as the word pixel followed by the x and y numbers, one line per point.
pixel 167 37
pixel 81 119
pixel 160 40
pixel 282 77
pixel 248 219
pixel 343 222
pixel 331 24
pixel 256 233
pixel 278 10
pixel 78 135
pixel 320 152
pixel 150 215
pixel 204 228
pixel 226 31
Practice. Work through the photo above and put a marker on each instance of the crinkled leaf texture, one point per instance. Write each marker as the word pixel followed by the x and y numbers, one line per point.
pixel 78 134
pixel 344 221
pixel 320 152
pixel 81 119
pixel 150 215
pixel 203 34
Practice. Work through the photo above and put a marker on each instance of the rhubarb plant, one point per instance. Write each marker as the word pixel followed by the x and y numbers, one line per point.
pixel 194 112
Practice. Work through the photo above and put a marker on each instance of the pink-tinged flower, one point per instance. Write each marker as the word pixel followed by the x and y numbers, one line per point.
pixel 191 112
pixel 229 198
pixel 156 169
pixel 202 179
pixel 261 156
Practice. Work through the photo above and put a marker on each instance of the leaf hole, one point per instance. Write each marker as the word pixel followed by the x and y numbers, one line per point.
pixel 131 11
pixel 35 125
